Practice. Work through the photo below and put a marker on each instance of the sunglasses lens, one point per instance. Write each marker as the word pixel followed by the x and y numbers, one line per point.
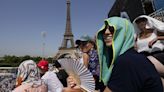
pixel 110 28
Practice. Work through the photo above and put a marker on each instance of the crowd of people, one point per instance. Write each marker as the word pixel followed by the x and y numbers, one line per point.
pixel 124 56
pixel 130 55
pixel 7 82
pixel 32 77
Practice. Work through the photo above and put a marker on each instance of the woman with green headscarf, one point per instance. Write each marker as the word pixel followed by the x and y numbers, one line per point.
pixel 122 69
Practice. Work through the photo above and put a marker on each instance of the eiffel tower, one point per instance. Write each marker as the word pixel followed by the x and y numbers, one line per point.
pixel 66 49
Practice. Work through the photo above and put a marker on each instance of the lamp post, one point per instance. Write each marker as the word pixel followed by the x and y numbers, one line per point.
pixel 43 34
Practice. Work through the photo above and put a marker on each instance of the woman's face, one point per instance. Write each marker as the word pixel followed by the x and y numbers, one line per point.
pixel 142 25
pixel 108 35
pixel 86 47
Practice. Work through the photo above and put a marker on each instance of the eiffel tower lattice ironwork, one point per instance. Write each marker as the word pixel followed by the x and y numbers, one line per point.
pixel 66 49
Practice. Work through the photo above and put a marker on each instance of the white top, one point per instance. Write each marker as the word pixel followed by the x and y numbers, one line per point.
pixel 142 44
pixel 81 60
pixel 52 81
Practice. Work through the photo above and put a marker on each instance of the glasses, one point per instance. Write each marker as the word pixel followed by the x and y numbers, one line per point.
pixel 110 28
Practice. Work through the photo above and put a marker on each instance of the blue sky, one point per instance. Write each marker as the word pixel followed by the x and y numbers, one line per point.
pixel 22 21
pixel 159 4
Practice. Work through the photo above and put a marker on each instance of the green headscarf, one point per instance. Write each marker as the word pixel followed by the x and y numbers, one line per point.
pixel 123 39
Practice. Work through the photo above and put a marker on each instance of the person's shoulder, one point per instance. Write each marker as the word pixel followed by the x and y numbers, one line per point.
pixel 85 55
pixel 21 88
pixel 27 87
pixel 49 74
pixel 132 57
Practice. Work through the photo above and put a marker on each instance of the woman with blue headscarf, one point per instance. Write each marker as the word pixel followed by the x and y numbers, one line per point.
pixel 122 69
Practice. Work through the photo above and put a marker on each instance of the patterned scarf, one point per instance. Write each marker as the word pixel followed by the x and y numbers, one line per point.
pixel 28 73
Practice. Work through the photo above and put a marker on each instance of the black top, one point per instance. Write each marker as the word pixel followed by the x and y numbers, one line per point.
pixel 133 72
pixel 62 76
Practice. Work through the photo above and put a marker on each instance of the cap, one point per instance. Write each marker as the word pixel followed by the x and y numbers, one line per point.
pixel 84 38
pixel 43 64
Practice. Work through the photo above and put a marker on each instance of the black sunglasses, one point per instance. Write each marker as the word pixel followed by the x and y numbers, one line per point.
pixel 111 29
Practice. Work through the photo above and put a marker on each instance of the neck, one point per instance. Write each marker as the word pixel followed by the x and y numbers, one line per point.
pixel 146 33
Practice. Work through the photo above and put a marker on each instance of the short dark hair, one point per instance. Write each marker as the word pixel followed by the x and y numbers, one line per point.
pixel 78 42
pixel 57 64
pixel 141 20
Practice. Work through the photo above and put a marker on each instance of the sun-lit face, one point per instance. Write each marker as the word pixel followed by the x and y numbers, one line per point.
pixel 108 35
pixel 86 47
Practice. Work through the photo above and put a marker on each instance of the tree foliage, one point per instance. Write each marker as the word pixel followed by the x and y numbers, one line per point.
pixel 14 61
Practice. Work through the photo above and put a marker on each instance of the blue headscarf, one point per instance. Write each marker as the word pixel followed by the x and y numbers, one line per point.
pixel 123 39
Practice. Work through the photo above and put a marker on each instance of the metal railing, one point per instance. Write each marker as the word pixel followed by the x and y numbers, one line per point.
pixel 159 14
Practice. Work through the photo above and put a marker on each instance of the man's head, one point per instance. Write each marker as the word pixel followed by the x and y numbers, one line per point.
pixel 43 66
